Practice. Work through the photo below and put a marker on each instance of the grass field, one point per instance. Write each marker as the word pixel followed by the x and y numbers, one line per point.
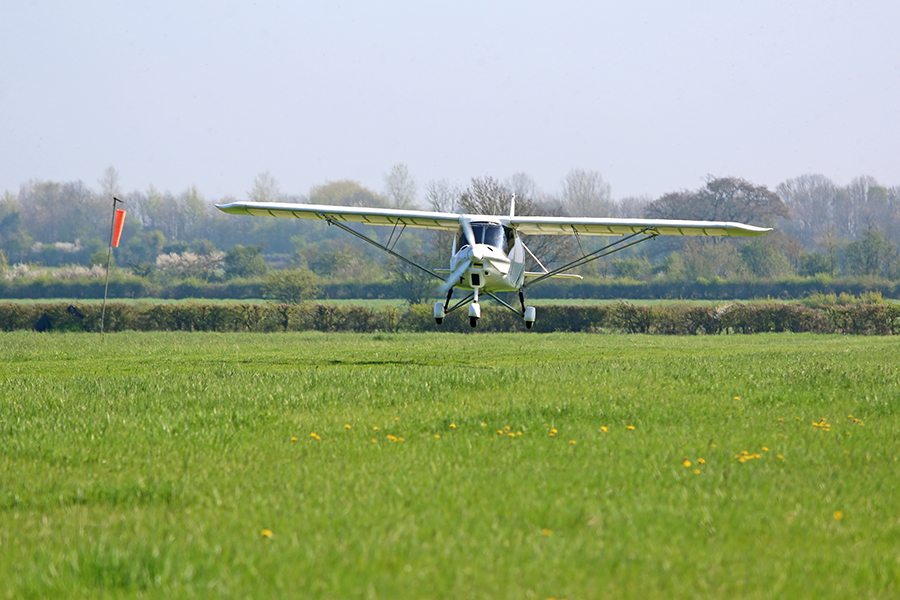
pixel 439 465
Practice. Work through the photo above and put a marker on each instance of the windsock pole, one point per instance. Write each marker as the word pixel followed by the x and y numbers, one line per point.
pixel 115 232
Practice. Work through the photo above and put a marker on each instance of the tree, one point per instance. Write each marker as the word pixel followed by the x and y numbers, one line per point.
pixel 869 255
pixel 265 189
pixel 245 262
pixel 143 247
pixel 811 200
pixel 415 286
pixel 813 263
pixel 109 184
pixel 291 286
pixel 764 259
pixel 585 194
pixel 441 196
pixel 705 259
pixel 345 193
pixel 831 242
pixel 722 199
pixel 400 187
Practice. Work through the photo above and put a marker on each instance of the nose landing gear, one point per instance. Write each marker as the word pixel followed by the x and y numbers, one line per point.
pixel 474 311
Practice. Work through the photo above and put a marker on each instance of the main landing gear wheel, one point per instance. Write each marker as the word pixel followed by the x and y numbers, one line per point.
pixel 439 312
pixel 473 321
pixel 529 317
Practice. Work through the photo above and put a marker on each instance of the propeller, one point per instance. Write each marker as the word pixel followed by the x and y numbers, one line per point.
pixel 464 265
pixel 467 231
pixel 455 275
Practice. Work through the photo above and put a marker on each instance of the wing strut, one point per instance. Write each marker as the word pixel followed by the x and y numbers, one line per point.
pixel 378 245
pixel 604 251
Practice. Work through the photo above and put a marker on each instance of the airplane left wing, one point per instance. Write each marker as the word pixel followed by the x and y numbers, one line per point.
pixel 351 214
pixel 592 226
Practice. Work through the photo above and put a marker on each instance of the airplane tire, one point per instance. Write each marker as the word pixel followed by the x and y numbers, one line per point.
pixel 473 321
pixel 529 324
pixel 438 321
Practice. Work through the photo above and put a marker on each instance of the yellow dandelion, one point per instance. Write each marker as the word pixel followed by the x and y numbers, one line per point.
pixel 764 449
pixel 376 428
pixel 518 433
pixel 798 418
pixel 452 425
pixel 779 456
pixel 347 426
pixel 437 437
pixel 511 434
pixel 400 439
pixel 838 515
pixel 553 430
pixel 396 418
pixel 572 441
pixel 313 434
pixel 701 461
pixel 781 420
pixel 686 463
pixel 849 416
pixel 293 439
pixel 696 471
pixel 552 434
pixel 712 445
pixel 546 532
pixel 741 459
pixel 374 441
pixel 484 424
pixel 267 533
pixel 603 428
pixel 629 427
pixel 737 397
pixel 499 432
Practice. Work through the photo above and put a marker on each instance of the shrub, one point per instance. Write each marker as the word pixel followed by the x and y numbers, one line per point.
pixel 291 286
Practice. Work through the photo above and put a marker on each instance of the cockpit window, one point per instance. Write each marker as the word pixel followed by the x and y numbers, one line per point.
pixel 491 234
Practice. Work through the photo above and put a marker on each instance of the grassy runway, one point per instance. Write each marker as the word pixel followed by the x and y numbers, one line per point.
pixel 440 465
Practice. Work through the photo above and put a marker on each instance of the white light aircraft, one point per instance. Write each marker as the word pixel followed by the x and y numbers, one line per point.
pixel 488 254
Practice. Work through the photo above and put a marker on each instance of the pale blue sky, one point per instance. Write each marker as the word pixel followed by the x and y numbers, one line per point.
pixel 653 95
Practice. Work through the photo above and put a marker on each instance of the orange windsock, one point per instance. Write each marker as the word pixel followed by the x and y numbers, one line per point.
pixel 117 228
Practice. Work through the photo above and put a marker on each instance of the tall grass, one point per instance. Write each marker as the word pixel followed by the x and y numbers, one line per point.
pixel 436 465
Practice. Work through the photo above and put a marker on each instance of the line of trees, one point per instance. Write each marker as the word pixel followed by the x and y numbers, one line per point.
pixel 821 229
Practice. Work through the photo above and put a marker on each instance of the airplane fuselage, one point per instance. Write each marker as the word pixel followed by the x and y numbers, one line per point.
pixel 496 261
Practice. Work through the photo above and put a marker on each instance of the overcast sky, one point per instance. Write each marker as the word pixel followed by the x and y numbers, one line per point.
pixel 653 95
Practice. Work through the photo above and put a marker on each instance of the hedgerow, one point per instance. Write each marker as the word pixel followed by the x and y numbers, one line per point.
pixel 121 286
pixel 620 317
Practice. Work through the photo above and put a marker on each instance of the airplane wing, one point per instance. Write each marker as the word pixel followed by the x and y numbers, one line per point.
pixel 590 226
pixel 352 214
pixel 528 225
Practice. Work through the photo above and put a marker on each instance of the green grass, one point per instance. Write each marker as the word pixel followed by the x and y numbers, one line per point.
pixel 148 465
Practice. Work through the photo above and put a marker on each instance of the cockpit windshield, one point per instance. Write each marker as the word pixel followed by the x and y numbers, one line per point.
pixel 491 234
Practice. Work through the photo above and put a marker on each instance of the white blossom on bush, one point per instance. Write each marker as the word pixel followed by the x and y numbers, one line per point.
pixel 189 264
